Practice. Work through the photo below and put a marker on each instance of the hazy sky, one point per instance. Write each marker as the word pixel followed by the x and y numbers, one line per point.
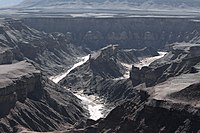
pixel 5 3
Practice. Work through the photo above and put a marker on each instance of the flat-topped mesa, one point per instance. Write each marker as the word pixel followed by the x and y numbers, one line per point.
pixel 181 59
pixel 181 51
pixel 17 81
pixel 179 77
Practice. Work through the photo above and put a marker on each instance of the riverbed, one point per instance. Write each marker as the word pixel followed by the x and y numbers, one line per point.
pixel 93 103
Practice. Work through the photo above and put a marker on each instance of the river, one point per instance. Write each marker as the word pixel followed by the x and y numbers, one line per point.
pixel 92 103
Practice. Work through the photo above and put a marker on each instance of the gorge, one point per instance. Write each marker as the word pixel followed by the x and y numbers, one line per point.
pixel 85 74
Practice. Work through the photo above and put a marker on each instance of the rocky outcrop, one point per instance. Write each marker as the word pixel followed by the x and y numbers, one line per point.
pixel 103 74
pixel 29 101
pixel 136 32
pixel 177 112
pixel 170 105
pixel 190 93
pixel 149 118
pixel 17 82
pixel 53 53
pixel 130 56
pixel 6 56
pixel 181 59
pixel 101 65
pixel 38 104
pixel 27 98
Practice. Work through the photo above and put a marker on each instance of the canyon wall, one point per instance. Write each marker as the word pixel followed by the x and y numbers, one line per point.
pixel 28 98
pixel 6 56
pixel 17 82
pixel 135 32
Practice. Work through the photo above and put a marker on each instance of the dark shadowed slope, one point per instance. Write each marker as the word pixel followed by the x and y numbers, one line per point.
pixel 51 52
pixel 28 99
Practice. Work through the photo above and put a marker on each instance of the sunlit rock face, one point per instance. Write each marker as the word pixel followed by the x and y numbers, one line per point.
pixel 127 32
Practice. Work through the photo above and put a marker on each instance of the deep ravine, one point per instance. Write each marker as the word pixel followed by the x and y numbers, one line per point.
pixel 93 103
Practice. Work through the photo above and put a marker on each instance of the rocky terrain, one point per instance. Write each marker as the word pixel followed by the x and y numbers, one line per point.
pixel 134 32
pixel 6 56
pixel 103 72
pixel 162 97
pixel 148 97
pixel 51 52
pixel 28 98
pixel 170 105
pixel 29 101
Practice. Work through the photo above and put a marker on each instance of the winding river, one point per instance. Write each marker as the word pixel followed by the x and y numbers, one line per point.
pixel 59 77
pixel 93 103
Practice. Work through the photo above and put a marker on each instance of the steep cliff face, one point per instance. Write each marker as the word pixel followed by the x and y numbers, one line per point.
pixel 27 100
pixel 51 52
pixel 17 82
pixel 34 102
pixel 6 56
pixel 181 59
pixel 128 32
pixel 171 105
pixel 130 117
pixel 104 74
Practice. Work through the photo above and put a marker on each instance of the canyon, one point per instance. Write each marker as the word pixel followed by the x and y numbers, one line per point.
pixel 99 75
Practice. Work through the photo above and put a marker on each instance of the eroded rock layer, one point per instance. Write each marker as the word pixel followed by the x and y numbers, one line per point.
pixel 104 74
pixel 28 98
pixel 161 97
pixel 29 101
pixel 136 32
pixel 53 53
pixel 171 105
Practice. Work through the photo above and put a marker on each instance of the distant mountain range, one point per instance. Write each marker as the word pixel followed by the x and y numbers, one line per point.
pixel 6 3
pixel 113 4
